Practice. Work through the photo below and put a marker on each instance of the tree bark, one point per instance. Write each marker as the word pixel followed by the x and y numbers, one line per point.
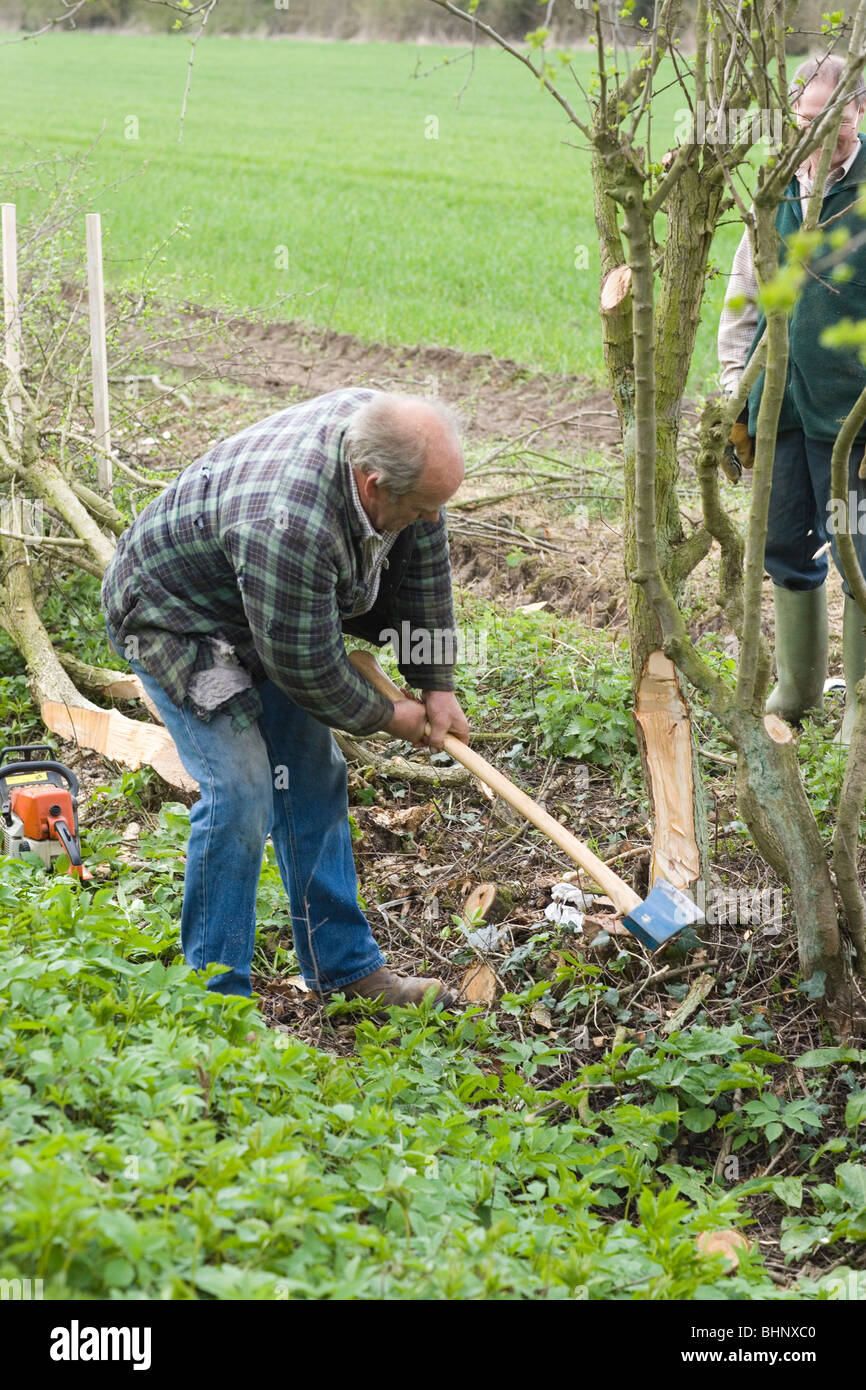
pixel 646 372
pixel 773 801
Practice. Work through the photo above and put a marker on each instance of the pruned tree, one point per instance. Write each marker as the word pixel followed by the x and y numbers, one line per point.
pixel 652 289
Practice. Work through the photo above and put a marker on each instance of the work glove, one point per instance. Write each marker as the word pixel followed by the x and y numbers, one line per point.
pixel 731 466
pixel 741 442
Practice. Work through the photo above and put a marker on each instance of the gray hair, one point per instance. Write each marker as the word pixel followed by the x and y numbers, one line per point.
pixel 382 437
pixel 825 72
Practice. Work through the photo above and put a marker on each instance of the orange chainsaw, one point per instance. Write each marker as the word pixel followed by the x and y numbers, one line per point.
pixel 39 807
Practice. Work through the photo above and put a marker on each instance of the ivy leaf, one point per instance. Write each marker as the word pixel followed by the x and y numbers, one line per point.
pixel 797 1240
pixel 815 987
pixel 790 1190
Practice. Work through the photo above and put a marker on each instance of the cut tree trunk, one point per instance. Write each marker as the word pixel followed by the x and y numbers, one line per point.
pixel 55 679
pixel 663 718
pixel 614 288
pixel 128 741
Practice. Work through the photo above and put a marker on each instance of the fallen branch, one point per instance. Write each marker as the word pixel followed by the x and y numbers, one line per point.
pixel 132 742
pixel 701 987
pixel 64 710
pixel 101 681
pixel 424 773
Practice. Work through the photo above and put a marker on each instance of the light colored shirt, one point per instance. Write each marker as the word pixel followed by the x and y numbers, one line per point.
pixel 737 325
pixel 374 550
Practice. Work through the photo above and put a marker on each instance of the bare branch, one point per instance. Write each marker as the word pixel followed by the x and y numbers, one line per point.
pixel 538 73
pixel 192 47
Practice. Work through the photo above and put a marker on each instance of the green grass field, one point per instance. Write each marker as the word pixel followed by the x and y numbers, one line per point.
pixel 466 240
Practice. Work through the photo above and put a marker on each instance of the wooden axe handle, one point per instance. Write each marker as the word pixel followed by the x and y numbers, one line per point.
pixel 624 898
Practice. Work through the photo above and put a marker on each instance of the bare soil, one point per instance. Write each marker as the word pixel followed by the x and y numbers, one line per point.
pixel 576 563
pixel 496 398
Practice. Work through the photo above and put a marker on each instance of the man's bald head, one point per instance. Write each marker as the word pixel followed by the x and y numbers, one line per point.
pixel 825 73
pixel 408 442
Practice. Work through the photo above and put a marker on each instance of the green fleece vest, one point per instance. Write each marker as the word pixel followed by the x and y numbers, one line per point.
pixel 823 383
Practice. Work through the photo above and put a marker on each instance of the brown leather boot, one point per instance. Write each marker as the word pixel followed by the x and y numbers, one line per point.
pixel 395 987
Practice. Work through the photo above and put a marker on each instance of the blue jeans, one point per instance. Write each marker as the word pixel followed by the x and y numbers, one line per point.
pixel 799 516
pixel 283 776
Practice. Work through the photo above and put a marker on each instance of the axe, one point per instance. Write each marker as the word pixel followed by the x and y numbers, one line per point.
pixel 653 920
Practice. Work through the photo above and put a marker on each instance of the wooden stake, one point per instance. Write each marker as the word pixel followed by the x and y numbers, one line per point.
pixel 11 311
pixel 96 297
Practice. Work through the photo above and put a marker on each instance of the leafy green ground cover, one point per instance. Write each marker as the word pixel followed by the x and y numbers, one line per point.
pixel 306 170
pixel 148 1148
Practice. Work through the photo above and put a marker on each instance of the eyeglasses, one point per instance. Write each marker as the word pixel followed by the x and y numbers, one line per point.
pixel 847 121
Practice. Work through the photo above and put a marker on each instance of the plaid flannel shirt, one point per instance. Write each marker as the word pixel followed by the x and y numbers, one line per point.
pixel 260 544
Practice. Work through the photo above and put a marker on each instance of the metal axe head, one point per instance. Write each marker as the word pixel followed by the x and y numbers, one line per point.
pixel 664 913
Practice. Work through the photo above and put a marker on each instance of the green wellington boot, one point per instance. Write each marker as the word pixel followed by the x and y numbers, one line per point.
pixel 854 661
pixel 802 652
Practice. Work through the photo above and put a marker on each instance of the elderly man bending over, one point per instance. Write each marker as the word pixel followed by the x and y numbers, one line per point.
pixel 229 596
